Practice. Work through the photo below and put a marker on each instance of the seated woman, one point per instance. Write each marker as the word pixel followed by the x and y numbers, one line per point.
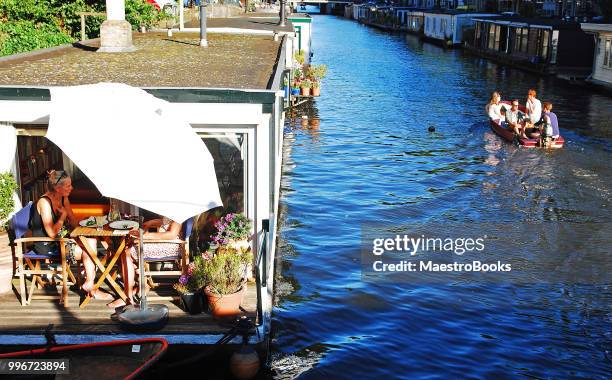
pixel 166 229
pixel 50 214
pixel 494 108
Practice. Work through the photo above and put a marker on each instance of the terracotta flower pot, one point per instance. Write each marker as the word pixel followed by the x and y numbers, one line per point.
pixel 316 91
pixel 223 306
pixel 305 91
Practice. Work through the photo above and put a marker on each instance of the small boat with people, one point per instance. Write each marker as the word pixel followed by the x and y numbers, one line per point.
pixel 533 139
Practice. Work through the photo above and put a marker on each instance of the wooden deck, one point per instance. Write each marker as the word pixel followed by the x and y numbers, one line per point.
pixel 96 318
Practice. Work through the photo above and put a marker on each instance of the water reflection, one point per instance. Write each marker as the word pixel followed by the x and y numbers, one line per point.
pixel 363 153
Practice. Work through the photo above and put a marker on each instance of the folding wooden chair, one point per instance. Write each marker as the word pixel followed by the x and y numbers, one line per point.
pixel 181 260
pixel 29 263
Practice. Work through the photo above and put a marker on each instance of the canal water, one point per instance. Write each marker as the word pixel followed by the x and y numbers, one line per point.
pixel 365 155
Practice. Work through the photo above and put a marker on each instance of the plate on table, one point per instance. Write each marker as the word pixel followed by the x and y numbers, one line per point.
pixel 123 224
pixel 91 222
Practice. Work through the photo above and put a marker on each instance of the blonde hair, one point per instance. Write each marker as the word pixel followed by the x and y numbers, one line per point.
pixel 56 178
pixel 494 95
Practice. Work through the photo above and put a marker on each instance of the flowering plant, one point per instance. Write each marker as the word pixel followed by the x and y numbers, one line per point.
pixel 223 273
pixel 191 280
pixel 232 227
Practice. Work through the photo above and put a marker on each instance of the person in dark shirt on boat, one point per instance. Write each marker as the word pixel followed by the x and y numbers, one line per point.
pixel 549 125
pixel 515 118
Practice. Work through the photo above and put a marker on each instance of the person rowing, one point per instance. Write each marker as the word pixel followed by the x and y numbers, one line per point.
pixel 549 126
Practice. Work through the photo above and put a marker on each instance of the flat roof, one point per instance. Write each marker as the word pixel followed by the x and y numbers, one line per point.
pixel 596 27
pixel 230 61
pixel 552 22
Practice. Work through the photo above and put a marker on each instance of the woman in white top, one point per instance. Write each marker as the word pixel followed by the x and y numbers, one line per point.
pixel 494 107
pixel 534 107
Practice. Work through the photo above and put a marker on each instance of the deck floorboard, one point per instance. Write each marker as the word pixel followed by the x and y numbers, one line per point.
pixel 96 317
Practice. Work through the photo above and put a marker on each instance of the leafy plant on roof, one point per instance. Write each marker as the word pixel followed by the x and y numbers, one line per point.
pixel 300 56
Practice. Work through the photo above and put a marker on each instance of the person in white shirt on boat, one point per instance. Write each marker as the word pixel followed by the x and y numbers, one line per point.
pixel 534 110
pixel 515 117
pixel 494 107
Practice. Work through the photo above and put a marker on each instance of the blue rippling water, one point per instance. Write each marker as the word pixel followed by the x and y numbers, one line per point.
pixel 372 159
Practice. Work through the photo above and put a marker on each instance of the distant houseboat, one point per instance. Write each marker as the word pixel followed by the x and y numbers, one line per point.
pixel 544 45
pixel 447 27
pixel 602 60
pixel 411 20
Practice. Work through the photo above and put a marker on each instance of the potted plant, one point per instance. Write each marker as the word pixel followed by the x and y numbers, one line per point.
pixel 223 276
pixel 318 72
pixel 316 88
pixel 233 230
pixel 306 85
pixel 300 56
pixel 189 286
pixel 295 89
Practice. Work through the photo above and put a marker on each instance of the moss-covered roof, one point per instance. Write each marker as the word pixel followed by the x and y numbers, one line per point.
pixel 230 61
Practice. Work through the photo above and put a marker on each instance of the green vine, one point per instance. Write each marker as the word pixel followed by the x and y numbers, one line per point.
pixel 7 186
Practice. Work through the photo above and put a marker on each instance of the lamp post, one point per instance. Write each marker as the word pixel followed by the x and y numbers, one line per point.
pixel 203 41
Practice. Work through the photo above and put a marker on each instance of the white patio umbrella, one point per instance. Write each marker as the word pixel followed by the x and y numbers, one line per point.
pixel 136 148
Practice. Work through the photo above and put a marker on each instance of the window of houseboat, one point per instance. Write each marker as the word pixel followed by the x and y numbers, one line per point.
pixel 607 61
pixel 492 30
pixel 229 152
pixel 544 50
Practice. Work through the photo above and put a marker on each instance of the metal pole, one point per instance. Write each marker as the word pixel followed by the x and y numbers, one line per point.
pixel 83 36
pixel 282 14
pixel 141 264
pixel 203 41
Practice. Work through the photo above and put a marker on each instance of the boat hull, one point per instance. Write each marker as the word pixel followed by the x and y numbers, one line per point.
pixel 120 359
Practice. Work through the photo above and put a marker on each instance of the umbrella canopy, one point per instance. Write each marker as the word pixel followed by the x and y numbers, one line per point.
pixel 134 147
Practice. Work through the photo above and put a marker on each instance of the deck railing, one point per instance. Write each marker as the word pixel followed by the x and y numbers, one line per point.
pixel 261 267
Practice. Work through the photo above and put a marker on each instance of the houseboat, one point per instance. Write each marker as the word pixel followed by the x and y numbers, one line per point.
pixel 412 20
pixel 447 27
pixel 543 45
pixel 229 93
pixel 602 60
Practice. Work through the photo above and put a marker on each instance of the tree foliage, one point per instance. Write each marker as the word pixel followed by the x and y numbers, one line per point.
pixel 27 25
pixel 7 187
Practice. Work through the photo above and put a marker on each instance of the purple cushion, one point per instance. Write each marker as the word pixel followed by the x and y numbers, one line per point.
pixel 35 256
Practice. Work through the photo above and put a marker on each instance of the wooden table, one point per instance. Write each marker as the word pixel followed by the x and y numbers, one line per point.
pixel 82 233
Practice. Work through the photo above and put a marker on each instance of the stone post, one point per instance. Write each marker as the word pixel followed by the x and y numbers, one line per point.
pixel 115 31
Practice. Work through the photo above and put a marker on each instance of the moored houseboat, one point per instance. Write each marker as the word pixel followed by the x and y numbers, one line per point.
pixel 543 45
pixel 447 27
pixel 229 93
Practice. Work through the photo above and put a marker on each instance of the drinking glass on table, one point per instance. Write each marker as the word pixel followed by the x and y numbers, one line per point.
pixel 99 222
